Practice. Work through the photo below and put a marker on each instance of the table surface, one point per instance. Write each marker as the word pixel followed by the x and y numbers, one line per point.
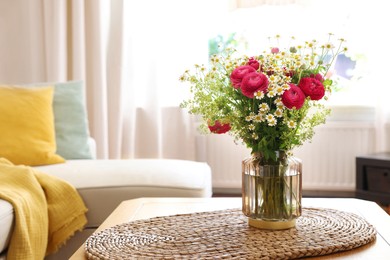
pixel 144 208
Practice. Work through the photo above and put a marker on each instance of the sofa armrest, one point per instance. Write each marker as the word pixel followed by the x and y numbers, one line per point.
pixel 6 224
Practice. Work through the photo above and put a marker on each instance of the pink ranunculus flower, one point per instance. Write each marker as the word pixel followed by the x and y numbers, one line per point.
pixel 275 50
pixel 253 82
pixel 219 128
pixel 254 63
pixel 293 97
pixel 239 73
pixel 312 88
pixel 317 76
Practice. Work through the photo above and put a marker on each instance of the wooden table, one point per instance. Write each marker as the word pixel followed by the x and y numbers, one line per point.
pixel 144 208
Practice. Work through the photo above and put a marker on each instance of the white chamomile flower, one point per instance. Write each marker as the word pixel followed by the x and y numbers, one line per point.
pixel 271 120
pixel 258 118
pixel 278 113
pixel 311 44
pixel 291 124
pixel 251 127
pixel 279 90
pixel 248 118
pixel 255 136
pixel 273 78
pixel 264 107
pixel 251 115
pixel 286 86
pixel 278 70
pixel 278 101
pixel 259 95
pixel 271 93
pixel 329 46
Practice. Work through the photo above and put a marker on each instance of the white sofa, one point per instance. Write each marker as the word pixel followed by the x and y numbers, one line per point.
pixel 103 184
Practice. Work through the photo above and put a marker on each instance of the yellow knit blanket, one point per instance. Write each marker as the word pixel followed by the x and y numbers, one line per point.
pixel 48 210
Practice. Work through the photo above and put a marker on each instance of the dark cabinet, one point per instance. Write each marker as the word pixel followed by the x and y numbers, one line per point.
pixel 373 177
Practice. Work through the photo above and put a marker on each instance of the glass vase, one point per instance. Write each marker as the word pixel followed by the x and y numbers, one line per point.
pixel 272 190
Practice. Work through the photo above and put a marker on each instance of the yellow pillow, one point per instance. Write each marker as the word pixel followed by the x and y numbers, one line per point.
pixel 27 134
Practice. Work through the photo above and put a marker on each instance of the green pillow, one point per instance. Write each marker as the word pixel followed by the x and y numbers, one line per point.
pixel 70 120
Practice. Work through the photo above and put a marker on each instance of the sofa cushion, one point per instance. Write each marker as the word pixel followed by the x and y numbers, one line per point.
pixel 134 172
pixel 6 223
pixel 103 184
pixel 71 121
pixel 27 126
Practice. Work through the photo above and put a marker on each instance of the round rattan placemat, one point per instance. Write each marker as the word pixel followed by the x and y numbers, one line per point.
pixel 225 234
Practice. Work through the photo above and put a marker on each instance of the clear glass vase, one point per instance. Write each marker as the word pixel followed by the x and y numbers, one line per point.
pixel 272 190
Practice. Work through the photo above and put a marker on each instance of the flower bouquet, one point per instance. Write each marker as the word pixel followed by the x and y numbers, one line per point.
pixel 271 102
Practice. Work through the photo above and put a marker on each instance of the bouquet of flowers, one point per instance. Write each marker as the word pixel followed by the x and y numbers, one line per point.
pixel 271 101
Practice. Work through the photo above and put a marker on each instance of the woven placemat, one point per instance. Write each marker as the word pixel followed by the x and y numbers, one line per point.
pixel 225 234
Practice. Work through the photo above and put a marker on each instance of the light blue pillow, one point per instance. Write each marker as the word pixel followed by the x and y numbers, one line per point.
pixel 70 120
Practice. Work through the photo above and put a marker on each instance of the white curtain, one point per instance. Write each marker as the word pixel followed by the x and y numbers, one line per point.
pixel 53 41
pixel 129 53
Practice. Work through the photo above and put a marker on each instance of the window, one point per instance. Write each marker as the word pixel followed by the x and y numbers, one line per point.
pixel 175 36
pixel 248 30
